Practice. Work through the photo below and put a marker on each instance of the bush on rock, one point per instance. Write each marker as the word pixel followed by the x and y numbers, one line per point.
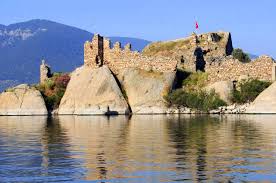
pixel 53 90
pixel 248 90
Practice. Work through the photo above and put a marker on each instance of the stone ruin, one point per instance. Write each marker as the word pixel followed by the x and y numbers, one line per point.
pixel 99 52
pixel 219 64
pixel 216 49
pixel 45 72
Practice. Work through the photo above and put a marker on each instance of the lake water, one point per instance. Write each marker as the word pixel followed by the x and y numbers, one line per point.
pixel 138 149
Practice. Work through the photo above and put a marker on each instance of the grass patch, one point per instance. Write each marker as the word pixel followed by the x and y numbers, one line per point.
pixel 195 81
pixel 156 47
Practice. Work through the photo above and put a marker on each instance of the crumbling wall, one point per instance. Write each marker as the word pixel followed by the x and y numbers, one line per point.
pixel 117 58
pixel 216 47
pixel 232 69
pixel 93 52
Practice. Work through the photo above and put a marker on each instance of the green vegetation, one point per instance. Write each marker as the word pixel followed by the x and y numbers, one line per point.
pixel 53 90
pixel 195 81
pixel 192 94
pixel 201 100
pixel 240 55
pixel 248 90
pixel 164 46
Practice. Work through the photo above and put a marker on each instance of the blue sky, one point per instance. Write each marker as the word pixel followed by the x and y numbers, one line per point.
pixel 251 22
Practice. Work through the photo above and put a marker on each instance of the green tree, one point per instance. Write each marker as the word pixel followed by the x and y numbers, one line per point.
pixel 240 55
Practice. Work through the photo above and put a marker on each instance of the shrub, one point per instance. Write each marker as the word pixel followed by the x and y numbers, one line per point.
pixel 53 90
pixel 202 100
pixel 49 84
pixel 62 81
pixel 248 90
pixel 240 55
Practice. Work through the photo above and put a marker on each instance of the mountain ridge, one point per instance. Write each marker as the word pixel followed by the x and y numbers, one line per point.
pixel 23 45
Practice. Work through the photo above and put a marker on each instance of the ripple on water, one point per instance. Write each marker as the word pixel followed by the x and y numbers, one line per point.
pixel 138 149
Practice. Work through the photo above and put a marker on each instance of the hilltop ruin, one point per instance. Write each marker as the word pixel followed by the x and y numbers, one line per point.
pixel 214 49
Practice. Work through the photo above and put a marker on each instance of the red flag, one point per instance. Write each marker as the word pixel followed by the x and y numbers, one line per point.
pixel 196 25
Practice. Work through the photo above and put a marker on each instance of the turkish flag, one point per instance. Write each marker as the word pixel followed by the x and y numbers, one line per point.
pixel 196 25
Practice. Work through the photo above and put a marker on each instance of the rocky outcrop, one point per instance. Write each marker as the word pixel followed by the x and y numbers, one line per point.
pixel 93 92
pixel 146 89
pixel 265 103
pixel 223 89
pixel 22 100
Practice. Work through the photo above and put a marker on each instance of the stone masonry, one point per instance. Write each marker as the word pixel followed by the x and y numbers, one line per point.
pixel 216 47
pixel 45 72
pixel 99 52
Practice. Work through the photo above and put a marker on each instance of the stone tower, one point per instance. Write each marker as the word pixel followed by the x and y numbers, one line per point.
pixel 45 72
pixel 94 52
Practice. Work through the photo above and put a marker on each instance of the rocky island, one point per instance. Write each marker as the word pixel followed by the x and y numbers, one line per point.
pixel 197 74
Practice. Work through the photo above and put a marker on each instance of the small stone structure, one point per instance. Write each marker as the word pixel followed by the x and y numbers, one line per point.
pixel 99 52
pixel 45 72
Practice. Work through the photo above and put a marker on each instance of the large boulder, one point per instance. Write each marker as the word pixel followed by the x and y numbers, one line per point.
pixel 93 92
pixel 265 103
pixel 223 89
pixel 22 100
pixel 146 89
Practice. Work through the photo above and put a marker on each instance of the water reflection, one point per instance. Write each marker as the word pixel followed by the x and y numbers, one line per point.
pixel 138 149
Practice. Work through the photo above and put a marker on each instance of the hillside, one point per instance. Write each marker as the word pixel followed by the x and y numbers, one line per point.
pixel 23 45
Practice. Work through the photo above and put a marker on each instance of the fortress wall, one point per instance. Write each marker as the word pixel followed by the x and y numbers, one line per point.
pixel 118 58
pixel 218 66
pixel 232 69
pixel 99 52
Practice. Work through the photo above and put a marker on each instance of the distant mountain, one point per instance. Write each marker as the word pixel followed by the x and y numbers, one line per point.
pixel 252 56
pixel 23 45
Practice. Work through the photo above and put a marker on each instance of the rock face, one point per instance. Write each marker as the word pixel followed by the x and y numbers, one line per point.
pixel 265 103
pixel 223 88
pixel 22 100
pixel 93 92
pixel 145 89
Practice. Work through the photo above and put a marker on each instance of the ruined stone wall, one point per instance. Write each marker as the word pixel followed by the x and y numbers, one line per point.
pixel 219 66
pixel 93 52
pixel 117 58
pixel 232 69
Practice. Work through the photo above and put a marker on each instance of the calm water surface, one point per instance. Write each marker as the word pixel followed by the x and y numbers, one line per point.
pixel 138 149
